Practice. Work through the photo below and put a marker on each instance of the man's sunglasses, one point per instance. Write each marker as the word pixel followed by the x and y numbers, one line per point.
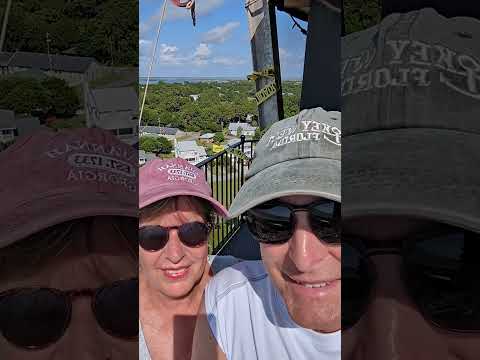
pixel 154 237
pixel 274 222
pixel 34 318
pixel 440 270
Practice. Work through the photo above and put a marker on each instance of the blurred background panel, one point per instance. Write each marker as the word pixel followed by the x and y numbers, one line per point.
pixel 410 179
pixel 68 179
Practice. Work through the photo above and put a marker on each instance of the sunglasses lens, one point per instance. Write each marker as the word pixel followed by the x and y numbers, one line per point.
pixel 325 222
pixel 442 276
pixel 271 226
pixel 193 234
pixel 152 238
pixel 356 285
pixel 116 308
pixel 33 318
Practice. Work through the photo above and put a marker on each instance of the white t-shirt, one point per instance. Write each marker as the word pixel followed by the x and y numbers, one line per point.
pixel 249 319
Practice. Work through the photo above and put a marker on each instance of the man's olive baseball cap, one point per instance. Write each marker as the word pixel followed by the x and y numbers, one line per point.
pixel 300 155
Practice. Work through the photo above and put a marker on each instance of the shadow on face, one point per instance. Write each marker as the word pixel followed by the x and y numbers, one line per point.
pixel 405 281
pixel 84 254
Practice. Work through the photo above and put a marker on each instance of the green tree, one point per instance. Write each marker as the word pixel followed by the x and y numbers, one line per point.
pixel 165 146
pixel 218 138
pixel 157 145
pixel 62 98
pixel 258 134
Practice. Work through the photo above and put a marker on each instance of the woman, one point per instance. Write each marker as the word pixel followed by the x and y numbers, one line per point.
pixel 176 215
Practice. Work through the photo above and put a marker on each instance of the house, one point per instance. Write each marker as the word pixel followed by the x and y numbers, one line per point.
pixel 249 118
pixel 73 69
pixel 208 137
pixel 166 132
pixel 246 129
pixel 190 151
pixel 114 109
pixel 28 124
pixel 144 157
pixel 8 128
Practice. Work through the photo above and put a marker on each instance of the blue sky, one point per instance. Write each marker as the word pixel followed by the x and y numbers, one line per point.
pixel 218 46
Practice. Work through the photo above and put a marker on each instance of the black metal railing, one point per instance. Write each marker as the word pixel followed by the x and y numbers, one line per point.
pixel 225 172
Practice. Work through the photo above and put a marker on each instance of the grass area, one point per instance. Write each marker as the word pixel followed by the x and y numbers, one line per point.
pixel 108 77
pixel 226 191
pixel 75 122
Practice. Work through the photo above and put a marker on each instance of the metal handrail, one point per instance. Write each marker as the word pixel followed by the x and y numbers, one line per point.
pixel 225 173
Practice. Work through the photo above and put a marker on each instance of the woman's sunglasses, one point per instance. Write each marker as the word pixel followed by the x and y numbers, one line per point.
pixel 154 237
pixel 274 222
pixel 34 318
pixel 440 270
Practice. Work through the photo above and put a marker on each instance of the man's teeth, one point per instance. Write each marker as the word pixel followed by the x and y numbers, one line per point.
pixel 311 286
pixel 320 285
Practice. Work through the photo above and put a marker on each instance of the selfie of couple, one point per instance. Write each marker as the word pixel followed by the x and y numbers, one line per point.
pixel 284 306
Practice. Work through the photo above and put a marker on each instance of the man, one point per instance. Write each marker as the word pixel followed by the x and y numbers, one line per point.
pixel 68 247
pixel 411 187
pixel 288 305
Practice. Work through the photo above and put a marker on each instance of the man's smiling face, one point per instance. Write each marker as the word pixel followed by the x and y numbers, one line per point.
pixel 307 273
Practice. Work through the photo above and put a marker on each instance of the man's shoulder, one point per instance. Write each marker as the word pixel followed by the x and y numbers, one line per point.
pixel 242 276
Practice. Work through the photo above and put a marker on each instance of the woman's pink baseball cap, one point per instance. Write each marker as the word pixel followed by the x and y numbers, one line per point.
pixel 162 179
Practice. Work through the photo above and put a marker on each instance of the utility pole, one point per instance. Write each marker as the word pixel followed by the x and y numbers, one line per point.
pixel 48 51
pixel 266 63
pixel 4 24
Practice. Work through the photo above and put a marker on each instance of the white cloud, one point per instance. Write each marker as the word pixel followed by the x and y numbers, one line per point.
pixel 201 56
pixel 288 58
pixel 228 61
pixel 168 54
pixel 145 48
pixel 220 34
pixel 202 51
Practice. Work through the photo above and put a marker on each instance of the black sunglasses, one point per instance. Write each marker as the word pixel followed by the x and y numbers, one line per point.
pixel 440 270
pixel 34 318
pixel 154 237
pixel 274 222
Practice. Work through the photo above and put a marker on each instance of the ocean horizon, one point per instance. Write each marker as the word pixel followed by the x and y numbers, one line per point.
pixel 183 80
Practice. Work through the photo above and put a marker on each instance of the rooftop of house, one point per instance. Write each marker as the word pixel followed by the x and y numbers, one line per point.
pixel 159 130
pixel 244 126
pixel 65 63
pixel 120 120
pixel 190 145
pixel 115 99
pixel 207 136
pixel 146 155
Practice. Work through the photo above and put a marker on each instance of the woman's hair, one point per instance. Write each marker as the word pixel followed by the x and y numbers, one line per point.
pixel 202 206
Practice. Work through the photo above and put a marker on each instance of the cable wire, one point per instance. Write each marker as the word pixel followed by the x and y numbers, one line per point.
pixel 152 60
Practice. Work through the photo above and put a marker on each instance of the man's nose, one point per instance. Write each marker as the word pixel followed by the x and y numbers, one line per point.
pixel 83 339
pixel 392 327
pixel 174 250
pixel 305 249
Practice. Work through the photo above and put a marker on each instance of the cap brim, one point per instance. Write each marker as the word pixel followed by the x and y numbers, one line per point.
pixel 31 217
pixel 427 173
pixel 164 194
pixel 311 176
